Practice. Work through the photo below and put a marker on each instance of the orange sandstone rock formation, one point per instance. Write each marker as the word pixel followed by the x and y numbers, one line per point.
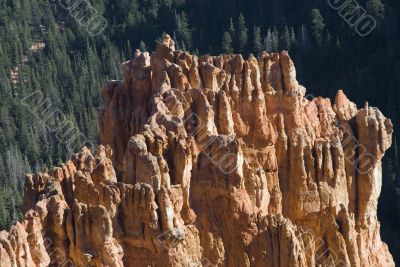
pixel 212 161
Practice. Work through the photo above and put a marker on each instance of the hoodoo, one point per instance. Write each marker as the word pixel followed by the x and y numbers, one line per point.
pixel 212 161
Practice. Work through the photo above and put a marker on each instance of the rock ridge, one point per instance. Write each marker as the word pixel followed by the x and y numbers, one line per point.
pixel 212 161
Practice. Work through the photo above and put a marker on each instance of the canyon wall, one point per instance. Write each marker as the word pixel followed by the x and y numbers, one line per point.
pixel 212 161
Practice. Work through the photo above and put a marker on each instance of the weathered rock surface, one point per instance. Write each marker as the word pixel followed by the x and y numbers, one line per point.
pixel 212 161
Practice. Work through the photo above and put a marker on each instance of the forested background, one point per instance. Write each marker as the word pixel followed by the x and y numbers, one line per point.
pixel 42 47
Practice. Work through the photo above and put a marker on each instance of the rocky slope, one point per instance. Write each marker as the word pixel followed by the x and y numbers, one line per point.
pixel 212 161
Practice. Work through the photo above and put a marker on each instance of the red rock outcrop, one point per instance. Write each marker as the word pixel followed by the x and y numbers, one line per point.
pixel 212 161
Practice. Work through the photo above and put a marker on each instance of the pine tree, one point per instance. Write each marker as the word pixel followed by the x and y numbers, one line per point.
pixel 317 26
pixel 242 33
pixel 293 41
pixel 153 8
pixel 183 32
pixel 275 40
pixel 231 29
pixel 338 44
pixel 257 41
pixel 285 39
pixel 129 49
pixel 303 37
pixel 376 9
pixel 4 220
pixel 328 40
pixel 142 46
pixel 268 41
pixel 227 43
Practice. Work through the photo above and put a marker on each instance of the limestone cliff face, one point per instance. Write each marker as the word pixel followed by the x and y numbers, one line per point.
pixel 212 161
